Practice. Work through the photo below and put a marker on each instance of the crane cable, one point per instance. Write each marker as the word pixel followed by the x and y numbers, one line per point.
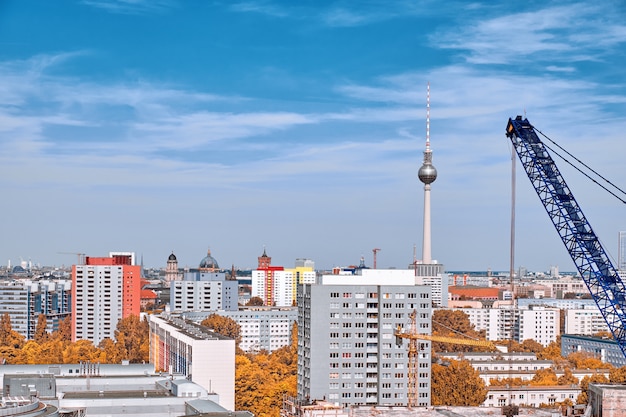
pixel 583 164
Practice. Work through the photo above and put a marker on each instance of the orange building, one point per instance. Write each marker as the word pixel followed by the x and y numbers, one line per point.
pixel 473 293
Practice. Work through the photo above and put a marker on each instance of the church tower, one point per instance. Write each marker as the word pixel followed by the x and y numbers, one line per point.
pixel 171 270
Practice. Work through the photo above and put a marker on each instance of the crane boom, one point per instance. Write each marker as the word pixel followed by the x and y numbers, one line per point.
pixel 582 244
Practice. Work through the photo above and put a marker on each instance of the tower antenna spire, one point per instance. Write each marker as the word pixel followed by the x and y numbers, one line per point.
pixel 427 174
pixel 428 116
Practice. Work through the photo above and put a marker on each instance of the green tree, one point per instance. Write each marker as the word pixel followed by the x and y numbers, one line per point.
pixel 224 326
pixel 457 384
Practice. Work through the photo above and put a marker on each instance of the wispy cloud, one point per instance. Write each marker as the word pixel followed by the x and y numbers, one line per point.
pixel 571 33
pixel 132 6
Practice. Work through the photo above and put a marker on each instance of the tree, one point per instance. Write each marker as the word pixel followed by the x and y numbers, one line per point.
pixel 8 336
pixel 584 386
pixel 80 351
pixel 224 326
pixel 41 331
pixel 503 382
pixel 457 384
pixel 568 378
pixel 453 323
pixel 552 351
pixel 132 339
pixel 586 360
pixel 544 377
pixel 528 345
pixel 64 331
pixel 618 375
pixel 255 301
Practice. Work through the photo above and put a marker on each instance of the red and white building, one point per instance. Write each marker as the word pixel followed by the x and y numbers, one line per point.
pixel 104 290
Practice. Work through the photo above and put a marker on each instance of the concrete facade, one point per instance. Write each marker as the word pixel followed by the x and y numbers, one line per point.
pixel 346 338
pixel 208 359
pixel 203 291
pixel 607 350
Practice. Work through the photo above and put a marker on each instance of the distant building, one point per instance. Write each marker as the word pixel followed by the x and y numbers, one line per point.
pixel 204 289
pixel 171 270
pixel 183 347
pixel 275 285
pixel 25 300
pixel 585 321
pixel 104 290
pixel 607 350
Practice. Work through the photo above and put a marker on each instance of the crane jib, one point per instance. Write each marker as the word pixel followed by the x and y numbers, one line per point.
pixel 591 260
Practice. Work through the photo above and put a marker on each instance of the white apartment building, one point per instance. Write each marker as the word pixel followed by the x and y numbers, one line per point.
pixel 206 358
pixel 538 323
pixel 280 285
pixel 261 328
pixel 203 291
pixel 585 321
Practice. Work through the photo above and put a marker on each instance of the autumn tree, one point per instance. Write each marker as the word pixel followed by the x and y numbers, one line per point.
pixel 584 386
pixel 255 302
pixel 528 345
pixel 132 339
pixel 551 352
pixel 586 360
pixel 8 336
pixel 454 323
pixel 457 384
pixel 568 378
pixel 618 375
pixel 224 326
pixel 544 377
pixel 64 331
pixel 41 331
pixel 503 382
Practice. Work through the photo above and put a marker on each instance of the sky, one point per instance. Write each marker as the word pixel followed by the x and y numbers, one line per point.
pixel 160 126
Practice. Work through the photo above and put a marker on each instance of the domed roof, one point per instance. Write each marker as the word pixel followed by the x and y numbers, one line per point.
pixel 172 257
pixel 208 262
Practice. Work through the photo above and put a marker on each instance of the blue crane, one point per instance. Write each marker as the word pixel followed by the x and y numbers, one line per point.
pixel 590 258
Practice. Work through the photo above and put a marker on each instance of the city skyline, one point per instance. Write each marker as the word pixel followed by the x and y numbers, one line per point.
pixel 160 126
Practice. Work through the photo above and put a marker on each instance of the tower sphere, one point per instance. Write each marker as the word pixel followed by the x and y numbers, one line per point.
pixel 427 174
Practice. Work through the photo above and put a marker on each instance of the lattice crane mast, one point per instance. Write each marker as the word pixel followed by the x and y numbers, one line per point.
pixel 582 244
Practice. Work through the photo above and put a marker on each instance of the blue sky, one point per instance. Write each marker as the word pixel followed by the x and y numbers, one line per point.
pixel 161 125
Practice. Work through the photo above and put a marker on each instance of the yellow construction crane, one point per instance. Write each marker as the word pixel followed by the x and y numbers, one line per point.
pixel 413 351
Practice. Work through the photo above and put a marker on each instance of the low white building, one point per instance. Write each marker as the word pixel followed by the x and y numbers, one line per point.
pixel 207 358
pixel 261 328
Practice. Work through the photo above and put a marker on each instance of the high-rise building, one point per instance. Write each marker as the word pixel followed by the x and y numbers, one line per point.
pixel 104 290
pixel 347 350
pixel 275 285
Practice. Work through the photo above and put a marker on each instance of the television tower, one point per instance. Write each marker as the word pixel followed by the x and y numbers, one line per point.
pixel 427 174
